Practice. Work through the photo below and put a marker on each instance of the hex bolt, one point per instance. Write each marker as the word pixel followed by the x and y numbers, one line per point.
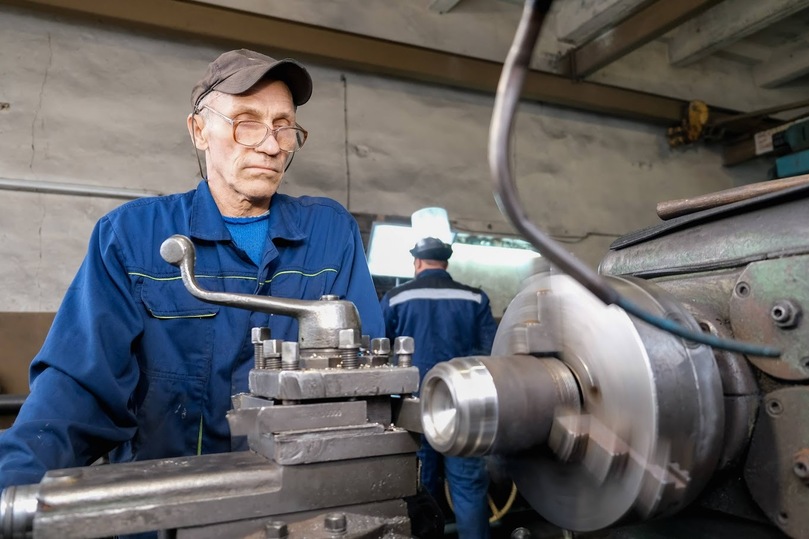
pixel 259 335
pixel 348 338
pixel 348 342
pixel 785 313
pixel 335 523
pixel 272 350
pixel 290 356
pixel 381 348
pixel 404 347
pixel 276 529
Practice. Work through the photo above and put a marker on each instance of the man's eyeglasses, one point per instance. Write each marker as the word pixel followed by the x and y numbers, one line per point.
pixel 252 134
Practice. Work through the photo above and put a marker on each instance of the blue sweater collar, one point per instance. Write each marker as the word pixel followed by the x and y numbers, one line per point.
pixel 206 221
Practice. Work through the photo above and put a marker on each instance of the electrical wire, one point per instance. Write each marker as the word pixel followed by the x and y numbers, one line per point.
pixel 497 513
pixel 505 191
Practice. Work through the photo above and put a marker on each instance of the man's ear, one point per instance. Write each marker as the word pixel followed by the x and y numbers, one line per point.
pixel 195 125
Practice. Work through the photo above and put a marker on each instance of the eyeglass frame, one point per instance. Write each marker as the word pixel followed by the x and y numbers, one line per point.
pixel 271 131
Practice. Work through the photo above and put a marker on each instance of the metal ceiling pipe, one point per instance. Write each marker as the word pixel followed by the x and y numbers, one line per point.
pixel 75 189
pixel 11 404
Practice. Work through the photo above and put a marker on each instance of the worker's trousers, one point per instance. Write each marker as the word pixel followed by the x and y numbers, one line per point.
pixel 468 487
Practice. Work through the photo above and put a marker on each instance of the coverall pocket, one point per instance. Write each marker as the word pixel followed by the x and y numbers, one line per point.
pixel 179 331
pixel 168 416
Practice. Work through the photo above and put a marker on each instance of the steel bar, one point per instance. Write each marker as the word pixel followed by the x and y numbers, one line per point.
pixel 675 208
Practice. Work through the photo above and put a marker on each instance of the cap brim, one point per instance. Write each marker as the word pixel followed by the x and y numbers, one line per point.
pixel 289 72
pixel 435 253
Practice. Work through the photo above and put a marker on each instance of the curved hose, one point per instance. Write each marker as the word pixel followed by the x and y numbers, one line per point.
pixel 508 199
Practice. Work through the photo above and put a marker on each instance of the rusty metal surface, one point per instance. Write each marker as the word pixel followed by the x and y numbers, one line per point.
pixel 767 307
pixel 733 236
pixel 771 474
pixel 706 297
pixel 377 520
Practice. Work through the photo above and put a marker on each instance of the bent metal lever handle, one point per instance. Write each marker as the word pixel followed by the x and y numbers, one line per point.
pixel 319 322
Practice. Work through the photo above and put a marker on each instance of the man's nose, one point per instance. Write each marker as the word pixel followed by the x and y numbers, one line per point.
pixel 269 145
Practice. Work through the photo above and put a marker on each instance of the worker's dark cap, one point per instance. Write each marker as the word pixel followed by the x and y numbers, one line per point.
pixel 431 249
pixel 235 72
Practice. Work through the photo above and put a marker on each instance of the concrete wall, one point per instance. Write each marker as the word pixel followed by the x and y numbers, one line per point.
pixel 97 106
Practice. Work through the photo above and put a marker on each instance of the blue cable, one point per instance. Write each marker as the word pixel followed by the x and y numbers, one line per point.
pixel 696 336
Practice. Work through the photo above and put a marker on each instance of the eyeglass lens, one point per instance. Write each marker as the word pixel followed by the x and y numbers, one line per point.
pixel 254 133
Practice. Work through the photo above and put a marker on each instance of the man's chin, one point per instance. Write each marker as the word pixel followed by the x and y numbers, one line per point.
pixel 263 177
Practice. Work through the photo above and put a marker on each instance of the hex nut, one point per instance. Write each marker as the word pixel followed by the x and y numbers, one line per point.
pixel 260 335
pixel 404 345
pixel 273 347
pixel 348 338
pixel 380 347
pixel 276 529
pixel 335 523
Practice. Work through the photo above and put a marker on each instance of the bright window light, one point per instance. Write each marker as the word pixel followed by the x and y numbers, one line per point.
pixel 390 244
pixel 488 256
pixel 389 250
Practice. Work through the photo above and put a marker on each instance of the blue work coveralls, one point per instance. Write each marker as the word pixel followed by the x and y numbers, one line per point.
pixel 446 319
pixel 135 365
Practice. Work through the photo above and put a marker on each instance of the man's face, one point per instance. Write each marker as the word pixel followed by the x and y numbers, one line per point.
pixel 242 179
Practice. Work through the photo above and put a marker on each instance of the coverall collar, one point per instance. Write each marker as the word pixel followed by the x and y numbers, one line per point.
pixel 207 223
pixel 433 271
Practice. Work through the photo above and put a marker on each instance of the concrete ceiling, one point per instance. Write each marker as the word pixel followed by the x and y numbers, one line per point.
pixel 768 40
pixel 740 55
pixel 770 35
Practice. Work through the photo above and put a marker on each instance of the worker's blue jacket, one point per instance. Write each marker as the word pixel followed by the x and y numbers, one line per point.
pixel 445 318
pixel 136 364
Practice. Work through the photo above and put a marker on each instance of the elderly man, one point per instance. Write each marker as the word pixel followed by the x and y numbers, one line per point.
pixel 136 366
pixel 447 319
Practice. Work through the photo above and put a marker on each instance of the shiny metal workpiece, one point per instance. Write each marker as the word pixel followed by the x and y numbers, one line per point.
pixel 604 400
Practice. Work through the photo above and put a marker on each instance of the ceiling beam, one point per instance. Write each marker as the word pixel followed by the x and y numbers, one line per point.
pixel 366 54
pixel 786 64
pixel 649 23
pixel 745 52
pixel 581 21
pixel 727 23
pixel 443 6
